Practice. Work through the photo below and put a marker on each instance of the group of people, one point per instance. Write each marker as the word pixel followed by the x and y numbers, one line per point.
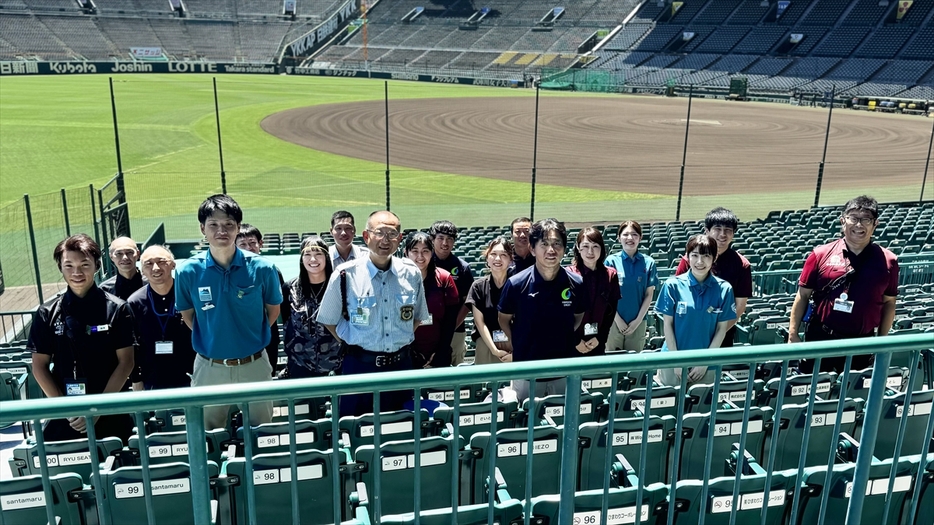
pixel 355 309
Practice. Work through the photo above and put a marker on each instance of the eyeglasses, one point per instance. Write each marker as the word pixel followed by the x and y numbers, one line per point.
pixel 853 220
pixel 382 234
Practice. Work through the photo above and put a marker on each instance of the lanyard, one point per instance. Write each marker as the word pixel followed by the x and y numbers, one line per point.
pixel 163 323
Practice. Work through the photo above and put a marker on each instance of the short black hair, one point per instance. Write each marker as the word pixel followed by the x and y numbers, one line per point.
pixel 443 227
pixel 222 203
pixel 415 238
pixel 702 244
pixel 340 215
pixel 78 243
pixel 248 230
pixel 541 228
pixel 512 225
pixel 721 216
pixel 863 202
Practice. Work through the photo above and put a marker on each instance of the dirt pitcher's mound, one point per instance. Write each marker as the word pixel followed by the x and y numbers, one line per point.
pixel 620 143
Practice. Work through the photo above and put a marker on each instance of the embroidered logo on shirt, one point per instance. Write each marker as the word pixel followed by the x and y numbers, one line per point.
pixel 533 294
pixel 566 294
pixel 407 312
pixel 454 272
pixel 836 260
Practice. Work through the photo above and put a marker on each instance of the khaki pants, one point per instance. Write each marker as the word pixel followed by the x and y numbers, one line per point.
pixel 618 341
pixel 542 388
pixel 667 377
pixel 208 373
pixel 483 356
pixel 458 348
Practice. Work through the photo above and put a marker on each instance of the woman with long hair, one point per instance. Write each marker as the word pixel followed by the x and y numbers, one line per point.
pixel 483 298
pixel 638 277
pixel 602 288
pixel 432 345
pixel 311 349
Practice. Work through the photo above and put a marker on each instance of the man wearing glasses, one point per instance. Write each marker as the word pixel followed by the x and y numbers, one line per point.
pixel 373 305
pixel 847 288
pixel 124 254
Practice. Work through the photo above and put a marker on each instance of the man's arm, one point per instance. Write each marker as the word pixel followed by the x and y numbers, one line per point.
pixel 42 371
pixel 798 309
pixel 740 309
pixel 888 314
pixel 189 317
pixel 125 363
pixel 577 320
pixel 333 329
pixel 462 314
pixel 272 313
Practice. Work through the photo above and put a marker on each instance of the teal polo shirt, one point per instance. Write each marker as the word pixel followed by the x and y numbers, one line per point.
pixel 635 274
pixel 229 305
pixel 696 308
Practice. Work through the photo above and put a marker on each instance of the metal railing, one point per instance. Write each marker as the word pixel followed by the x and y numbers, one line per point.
pixel 194 399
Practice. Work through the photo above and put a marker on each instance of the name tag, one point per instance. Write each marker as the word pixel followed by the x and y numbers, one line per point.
pixel 163 347
pixel 75 388
pixel 204 294
pixel 590 329
pixel 682 308
pixel 98 328
pixel 499 336
pixel 361 317
pixel 842 305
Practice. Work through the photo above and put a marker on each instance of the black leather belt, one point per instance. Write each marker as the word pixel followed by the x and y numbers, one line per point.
pixel 379 359
pixel 236 362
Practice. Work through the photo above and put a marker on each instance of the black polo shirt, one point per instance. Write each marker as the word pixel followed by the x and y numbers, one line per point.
pixel 156 320
pixel 519 264
pixel 122 287
pixel 463 278
pixel 82 334
pixel 543 322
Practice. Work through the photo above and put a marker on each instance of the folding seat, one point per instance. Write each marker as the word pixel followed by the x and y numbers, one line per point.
pixel 550 409
pixel 700 397
pixel 622 506
pixel 601 383
pixel 471 393
pixel 477 417
pixel 510 447
pixel 627 440
pixel 19 366
pixel 718 506
pixel 914 442
pixel 797 388
pixel 272 476
pixel 727 430
pixel 439 465
pixel 360 430
pixel 309 408
pixel 63 456
pixel 857 384
pixel 171 420
pixel 789 427
pixel 840 487
pixel 171 493
pixel 269 438
pixel 664 401
pixel 508 512
pixel 172 447
pixel 23 500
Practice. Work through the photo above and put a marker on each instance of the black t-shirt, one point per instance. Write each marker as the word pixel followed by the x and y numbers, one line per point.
pixel 485 296
pixel 82 334
pixel 519 264
pixel 156 320
pixel 122 288
pixel 462 275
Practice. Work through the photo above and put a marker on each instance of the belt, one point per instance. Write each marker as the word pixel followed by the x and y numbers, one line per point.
pixel 830 331
pixel 379 359
pixel 236 362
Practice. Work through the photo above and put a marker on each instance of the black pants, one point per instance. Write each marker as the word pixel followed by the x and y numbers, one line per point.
pixel 119 425
pixel 816 332
pixel 357 361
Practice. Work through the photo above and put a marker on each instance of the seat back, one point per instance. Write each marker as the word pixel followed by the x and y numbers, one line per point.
pixel 789 428
pixel 627 440
pixel 506 513
pixel 23 500
pixel 270 438
pixel 62 456
pixel 171 493
pixel 700 397
pixel 477 417
pixel 439 461
pixel 510 447
pixel 553 407
pixel 400 424
pixel 172 447
pixel 622 506
pixel 664 401
pixel 471 393
pixel 171 420
pixel 915 442
pixel 310 408
pixel 725 432
pixel 272 476
pixel 797 389
pixel 719 502
pixel 857 384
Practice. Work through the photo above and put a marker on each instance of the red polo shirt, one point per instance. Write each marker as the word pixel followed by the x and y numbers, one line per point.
pixel 874 275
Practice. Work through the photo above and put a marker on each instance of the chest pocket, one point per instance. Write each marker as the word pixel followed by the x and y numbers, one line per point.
pixel 367 301
pixel 248 294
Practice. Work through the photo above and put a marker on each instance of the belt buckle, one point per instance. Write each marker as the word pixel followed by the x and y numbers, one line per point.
pixel 381 361
pixel 226 362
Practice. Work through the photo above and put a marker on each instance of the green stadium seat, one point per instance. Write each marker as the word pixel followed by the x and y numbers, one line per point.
pixel 270 438
pixel 477 417
pixel 313 409
pixel 272 476
pixel 726 431
pixel 23 500
pixel 172 447
pixel 468 394
pixel 172 420
pixel 797 388
pixel 700 397
pixel 550 409
pixel 18 367
pixel 627 440
pixel 914 441
pixel 360 430
pixel 665 401
pixel 12 388
pixel 439 463
pixel 171 493
pixel 719 502
pixel 789 429
pixel 63 457
pixel 857 385
pixel 622 506
pixel 510 447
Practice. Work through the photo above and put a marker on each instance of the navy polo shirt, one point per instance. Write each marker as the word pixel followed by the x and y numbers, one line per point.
pixel 229 305
pixel 156 319
pixel 543 322
pixel 696 308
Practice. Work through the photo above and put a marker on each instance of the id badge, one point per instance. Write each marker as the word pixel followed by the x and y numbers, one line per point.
pixel 499 336
pixel 429 321
pixel 842 304
pixel 163 347
pixel 590 329
pixel 75 387
pixel 682 308
pixel 361 317
pixel 98 329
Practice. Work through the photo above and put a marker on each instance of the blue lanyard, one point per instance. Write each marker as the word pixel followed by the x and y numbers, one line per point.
pixel 163 324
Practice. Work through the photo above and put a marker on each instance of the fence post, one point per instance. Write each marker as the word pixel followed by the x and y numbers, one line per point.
pixel 927 164
pixel 113 110
pixel 684 155
pixel 820 171
pixel 220 148
pixel 534 154
pixel 65 211
pixel 386 106
pixel 32 243
pixel 97 232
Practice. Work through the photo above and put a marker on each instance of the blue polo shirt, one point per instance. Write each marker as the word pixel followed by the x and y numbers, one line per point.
pixel 543 322
pixel 635 274
pixel 229 305
pixel 696 308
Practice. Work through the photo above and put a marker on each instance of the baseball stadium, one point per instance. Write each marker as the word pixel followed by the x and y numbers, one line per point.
pixel 119 118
